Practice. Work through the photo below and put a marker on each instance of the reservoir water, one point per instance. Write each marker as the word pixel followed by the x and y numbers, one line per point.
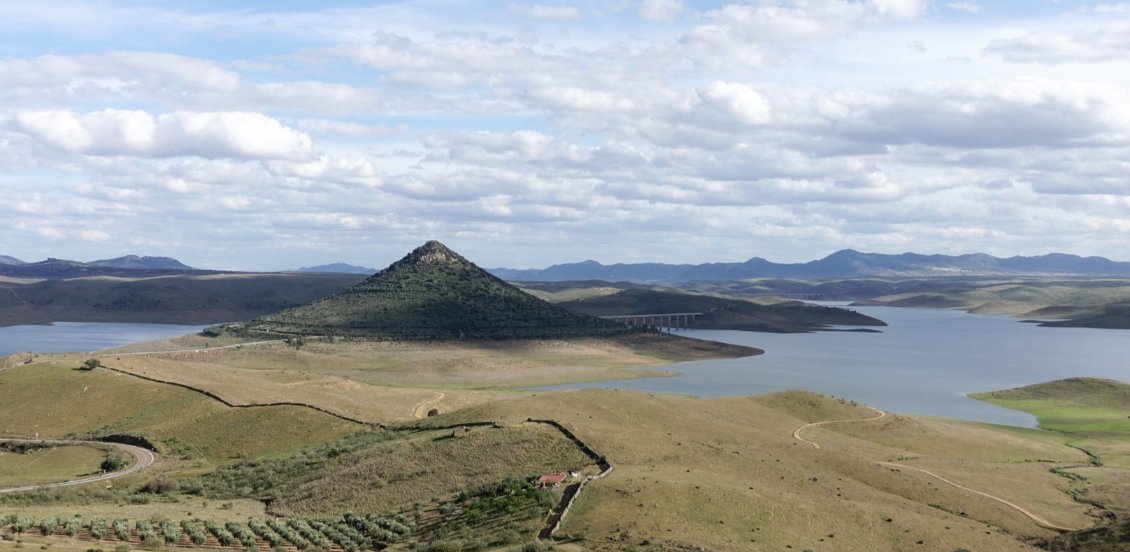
pixel 923 362
pixel 68 337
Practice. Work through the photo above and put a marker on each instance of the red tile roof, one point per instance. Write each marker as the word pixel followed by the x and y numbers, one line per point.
pixel 553 478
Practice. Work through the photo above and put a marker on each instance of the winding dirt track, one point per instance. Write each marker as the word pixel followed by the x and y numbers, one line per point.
pixel 1032 516
pixel 880 414
pixel 144 459
pixel 796 432
pixel 421 410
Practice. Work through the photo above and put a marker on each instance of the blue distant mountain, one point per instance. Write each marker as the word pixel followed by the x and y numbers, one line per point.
pixel 128 266
pixel 146 263
pixel 847 263
pixel 338 268
pixel 4 259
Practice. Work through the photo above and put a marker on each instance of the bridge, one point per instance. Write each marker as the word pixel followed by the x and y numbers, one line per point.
pixel 669 321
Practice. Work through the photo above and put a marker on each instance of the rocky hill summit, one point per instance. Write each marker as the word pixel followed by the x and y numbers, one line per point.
pixel 432 293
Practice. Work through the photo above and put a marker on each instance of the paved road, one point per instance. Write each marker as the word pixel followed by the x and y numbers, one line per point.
pixel 144 459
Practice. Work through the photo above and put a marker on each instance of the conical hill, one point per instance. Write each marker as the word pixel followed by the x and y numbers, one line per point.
pixel 432 293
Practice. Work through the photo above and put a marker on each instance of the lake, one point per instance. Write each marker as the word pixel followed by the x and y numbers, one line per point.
pixel 68 337
pixel 922 363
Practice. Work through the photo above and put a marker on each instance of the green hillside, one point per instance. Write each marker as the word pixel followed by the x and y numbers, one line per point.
pixel 433 293
pixel 180 299
pixel 723 313
pixel 1074 404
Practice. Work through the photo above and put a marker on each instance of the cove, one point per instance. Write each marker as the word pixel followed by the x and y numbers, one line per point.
pixel 69 337
pixel 922 363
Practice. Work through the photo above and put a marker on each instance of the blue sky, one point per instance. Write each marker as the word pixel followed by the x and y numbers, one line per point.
pixel 264 136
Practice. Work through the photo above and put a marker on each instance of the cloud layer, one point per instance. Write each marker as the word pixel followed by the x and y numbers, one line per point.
pixel 531 133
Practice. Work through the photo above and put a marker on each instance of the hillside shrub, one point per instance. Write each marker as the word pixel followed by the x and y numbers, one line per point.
pixel 161 485
pixel 194 532
pixel 113 462
pixel 245 537
pixel 222 535
pixel 48 525
pixel 170 531
pixel 72 526
pixel 20 523
pixel 98 528
pixel 288 533
pixel 121 529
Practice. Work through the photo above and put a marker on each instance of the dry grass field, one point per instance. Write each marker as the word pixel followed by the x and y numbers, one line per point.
pixel 478 364
pixel 723 474
pixel 337 394
pixel 385 381
pixel 53 399
pixel 181 508
pixel 726 474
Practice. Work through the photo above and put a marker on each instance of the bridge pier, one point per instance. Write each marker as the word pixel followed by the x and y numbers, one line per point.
pixel 672 321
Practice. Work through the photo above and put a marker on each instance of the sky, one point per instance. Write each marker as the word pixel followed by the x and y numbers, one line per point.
pixel 275 135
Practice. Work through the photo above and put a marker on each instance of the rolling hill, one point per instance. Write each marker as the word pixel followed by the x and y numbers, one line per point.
pixel 723 313
pixel 1115 316
pixel 432 293
pixel 1075 404
pixel 194 298
pixel 341 268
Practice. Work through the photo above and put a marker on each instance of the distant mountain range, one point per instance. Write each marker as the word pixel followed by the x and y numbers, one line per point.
pixel 847 263
pixel 129 265
pixel 338 268
pixel 150 263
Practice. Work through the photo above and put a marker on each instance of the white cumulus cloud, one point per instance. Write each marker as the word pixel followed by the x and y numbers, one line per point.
pixel 733 101
pixel 1109 42
pixel 138 133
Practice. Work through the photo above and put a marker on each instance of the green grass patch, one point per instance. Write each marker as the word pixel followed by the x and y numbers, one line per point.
pixel 47 464
pixel 1073 405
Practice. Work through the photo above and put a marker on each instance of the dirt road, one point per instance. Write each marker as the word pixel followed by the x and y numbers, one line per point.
pixel 796 432
pixel 1027 513
pixel 880 414
pixel 421 410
